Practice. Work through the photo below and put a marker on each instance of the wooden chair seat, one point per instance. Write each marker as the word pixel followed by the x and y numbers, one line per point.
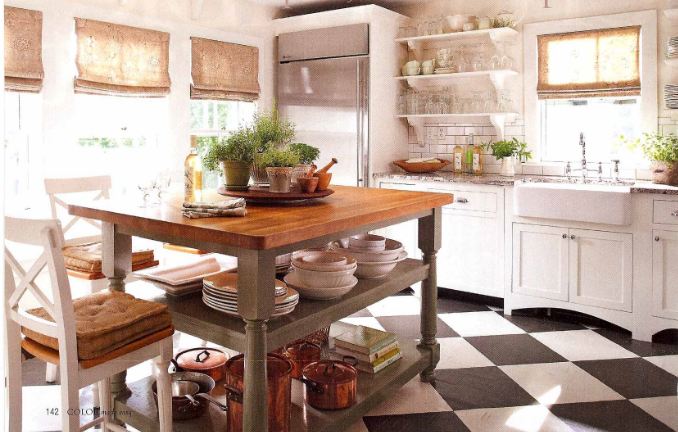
pixel 47 354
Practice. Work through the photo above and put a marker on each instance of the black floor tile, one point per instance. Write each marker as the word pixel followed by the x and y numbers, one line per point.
pixel 514 349
pixel 643 349
pixel 533 323
pixel 361 314
pixel 429 422
pixel 612 416
pixel 450 305
pixel 486 387
pixel 408 326
pixel 632 378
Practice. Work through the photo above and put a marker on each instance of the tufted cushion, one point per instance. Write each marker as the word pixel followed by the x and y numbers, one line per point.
pixel 87 257
pixel 106 321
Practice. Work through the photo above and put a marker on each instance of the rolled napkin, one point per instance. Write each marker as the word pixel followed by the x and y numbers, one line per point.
pixel 232 207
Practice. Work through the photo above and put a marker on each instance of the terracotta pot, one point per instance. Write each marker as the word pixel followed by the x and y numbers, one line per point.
pixel 308 184
pixel 301 353
pixel 664 173
pixel 279 370
pixel 323 180
pixel 279 179
pixel 236 175
pixel 210 361
pixel 330 384
pixel 300 170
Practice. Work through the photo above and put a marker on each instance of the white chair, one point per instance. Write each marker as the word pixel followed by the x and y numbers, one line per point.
pixel 75 372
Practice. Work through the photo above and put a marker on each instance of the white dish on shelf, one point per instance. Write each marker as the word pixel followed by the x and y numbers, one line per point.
pixel 324 261
pixel 292 280
pixel 322 279
pixel 367 242
pixel 390 253
pixel 377 270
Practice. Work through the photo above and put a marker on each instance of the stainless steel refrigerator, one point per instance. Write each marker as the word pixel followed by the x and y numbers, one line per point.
pixel 323 88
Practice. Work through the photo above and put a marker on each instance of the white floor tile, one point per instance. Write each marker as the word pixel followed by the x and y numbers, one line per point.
pixel 468 324
pixel 668 363
pixel 664 409
pixel 41 408
pixel 534 418
pixel 413 397
pixel 398 305
pixel 559 383
pixel 577 345
pixel 364 321
pixel 457 353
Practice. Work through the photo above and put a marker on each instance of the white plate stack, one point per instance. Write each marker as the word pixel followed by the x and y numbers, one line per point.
pixel 220 292
pixel 322 275
pixel 672 48
pixel 671 96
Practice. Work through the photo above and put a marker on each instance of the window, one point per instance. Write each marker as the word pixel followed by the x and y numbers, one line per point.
pixel 595 75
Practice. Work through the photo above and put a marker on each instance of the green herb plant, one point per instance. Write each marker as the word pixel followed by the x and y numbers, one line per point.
pixel 307 154
pixel 656 146
pixel 239 147
pixel 278 157
pixel 269 129
pixel 508 148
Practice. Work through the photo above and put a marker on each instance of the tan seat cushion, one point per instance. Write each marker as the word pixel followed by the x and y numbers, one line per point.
pixel 106 321
pixel 88 257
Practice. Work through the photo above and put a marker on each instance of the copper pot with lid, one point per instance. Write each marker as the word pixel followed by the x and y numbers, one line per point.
pixel 210 361
pixel 331 384
pixel 279 370
pixel 301 353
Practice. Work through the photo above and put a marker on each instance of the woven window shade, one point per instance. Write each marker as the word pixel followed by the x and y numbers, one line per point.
pixel 589 64
pixel 119 60
pixel 23 50
pixel 224 71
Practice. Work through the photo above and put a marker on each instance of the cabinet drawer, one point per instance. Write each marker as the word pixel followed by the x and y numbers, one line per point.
pixel 666 212
pixel 472 201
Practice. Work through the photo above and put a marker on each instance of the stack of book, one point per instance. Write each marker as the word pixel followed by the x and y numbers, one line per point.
pixel 374 349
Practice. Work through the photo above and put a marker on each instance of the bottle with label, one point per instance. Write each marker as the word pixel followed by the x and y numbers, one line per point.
pixel 477 164
pixel 193 174
pixel 468 154
pixel 458 159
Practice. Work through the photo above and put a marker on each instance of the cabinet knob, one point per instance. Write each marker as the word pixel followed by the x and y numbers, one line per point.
pixel 564 236
pixel 572 237
pixel 462 200
pixel 656 238
pixel 675 213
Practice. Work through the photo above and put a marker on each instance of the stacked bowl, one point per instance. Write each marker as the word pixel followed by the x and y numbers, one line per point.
pixel 376 256
pixel 322 275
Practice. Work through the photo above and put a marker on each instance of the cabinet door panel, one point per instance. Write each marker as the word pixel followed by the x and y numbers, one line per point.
pixel 406 232
pixel 665 274
pixel 540 261
pixel 469 259
pixel 601 269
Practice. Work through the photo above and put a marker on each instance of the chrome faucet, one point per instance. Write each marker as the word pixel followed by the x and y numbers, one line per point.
pixel 582 143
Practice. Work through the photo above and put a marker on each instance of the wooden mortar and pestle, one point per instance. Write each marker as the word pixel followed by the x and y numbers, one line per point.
pixel 324 176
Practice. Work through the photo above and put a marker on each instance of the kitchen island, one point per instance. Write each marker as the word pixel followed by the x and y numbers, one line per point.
pixel 256 240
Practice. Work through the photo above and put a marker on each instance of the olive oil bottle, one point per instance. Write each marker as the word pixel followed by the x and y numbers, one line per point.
pixel 458 159
pixel 193 174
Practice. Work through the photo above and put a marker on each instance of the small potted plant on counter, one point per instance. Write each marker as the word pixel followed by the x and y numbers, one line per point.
pixel 268 130
pixel 279 163
pixel 662 151
pixel 509 152
pixel 307 155
pixel 235 155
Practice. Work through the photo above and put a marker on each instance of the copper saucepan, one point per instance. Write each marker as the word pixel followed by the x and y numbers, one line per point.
pixel 210 361
pixel 331 384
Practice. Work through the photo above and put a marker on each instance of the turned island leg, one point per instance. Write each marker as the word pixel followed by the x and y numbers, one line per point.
pixel 429 243
pixel 256 297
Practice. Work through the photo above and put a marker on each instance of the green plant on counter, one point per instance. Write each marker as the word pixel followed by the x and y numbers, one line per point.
pixel 509 148
pixel 656 147
pixel 278 157
pixel 239 147
pixel 269 129
pixel 307 154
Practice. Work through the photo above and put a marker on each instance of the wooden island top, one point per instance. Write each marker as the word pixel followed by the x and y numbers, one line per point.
pixel 267 227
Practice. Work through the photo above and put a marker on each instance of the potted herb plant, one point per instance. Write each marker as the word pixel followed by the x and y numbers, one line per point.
pixel 279 163
pixel 307 155
pixel 662 150
pixel 235 155
pixel 268 130
pixel 509 152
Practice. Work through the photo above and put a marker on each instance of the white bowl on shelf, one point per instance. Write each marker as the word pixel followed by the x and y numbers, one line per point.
pixel 368 242
pixel 377 270
pixel 314 293
pixel 390 253
pixel 320 279
pixel 325 262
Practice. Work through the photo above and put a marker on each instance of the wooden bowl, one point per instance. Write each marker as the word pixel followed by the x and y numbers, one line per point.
pixel 422 167
pixel 308 184
pixel 323 180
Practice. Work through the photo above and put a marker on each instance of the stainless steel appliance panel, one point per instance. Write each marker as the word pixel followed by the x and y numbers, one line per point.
pixel 343 41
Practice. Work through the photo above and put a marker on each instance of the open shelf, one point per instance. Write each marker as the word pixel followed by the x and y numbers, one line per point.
pixel 495 35
pixel 435 80
pixel 191 315
pixel 671 14
pixel 418 121
pixel 673 62
pixel 140 411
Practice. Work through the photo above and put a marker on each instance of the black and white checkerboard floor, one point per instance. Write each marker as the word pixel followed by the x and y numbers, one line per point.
pixel 520 373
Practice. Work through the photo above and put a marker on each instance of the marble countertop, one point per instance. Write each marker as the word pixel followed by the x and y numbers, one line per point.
pixel 497 180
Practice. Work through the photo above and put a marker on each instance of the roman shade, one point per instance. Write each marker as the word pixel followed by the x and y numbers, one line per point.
pixel 224 71
pixel 594 63
pixel 119 60
pixel 23 50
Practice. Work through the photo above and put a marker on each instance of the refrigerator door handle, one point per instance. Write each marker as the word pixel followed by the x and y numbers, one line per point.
pixel 362 118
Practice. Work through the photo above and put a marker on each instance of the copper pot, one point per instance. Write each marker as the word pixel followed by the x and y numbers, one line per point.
pixel 279 377
pixel 330 384
pixel 301 353
pixel 210 361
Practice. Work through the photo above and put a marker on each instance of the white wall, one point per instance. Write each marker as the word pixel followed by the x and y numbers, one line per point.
pixel 227 20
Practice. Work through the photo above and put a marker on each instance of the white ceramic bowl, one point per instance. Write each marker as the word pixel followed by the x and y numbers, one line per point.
pixel 292 279
pixel 367 241
pixel 376 270
pixel 390 253
pixel 317 279
pixel 325 262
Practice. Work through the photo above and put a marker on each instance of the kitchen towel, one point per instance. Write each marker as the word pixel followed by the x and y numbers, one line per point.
pixel 233 207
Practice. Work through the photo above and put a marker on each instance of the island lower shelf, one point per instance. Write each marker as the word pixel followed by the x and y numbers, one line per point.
pixel 192 316
pixel 139 410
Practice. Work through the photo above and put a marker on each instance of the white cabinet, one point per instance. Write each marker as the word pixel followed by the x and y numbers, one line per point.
pixel 586 267
pixel 665 273
pixel 406 232
pixel 540 255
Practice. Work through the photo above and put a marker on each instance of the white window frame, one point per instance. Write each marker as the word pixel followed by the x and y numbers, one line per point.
pixel 647 20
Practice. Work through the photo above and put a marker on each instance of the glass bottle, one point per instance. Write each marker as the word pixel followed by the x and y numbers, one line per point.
pixel 477 163
pixel 193 173
pixel 458 159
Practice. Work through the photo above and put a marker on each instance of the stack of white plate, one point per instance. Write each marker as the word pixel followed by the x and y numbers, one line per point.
pixel 376 256
pixel 672 47
pixel 671 96
pixel 220 292
pixel 322 275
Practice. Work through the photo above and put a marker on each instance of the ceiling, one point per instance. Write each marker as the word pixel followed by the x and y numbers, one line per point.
pixel 305 6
